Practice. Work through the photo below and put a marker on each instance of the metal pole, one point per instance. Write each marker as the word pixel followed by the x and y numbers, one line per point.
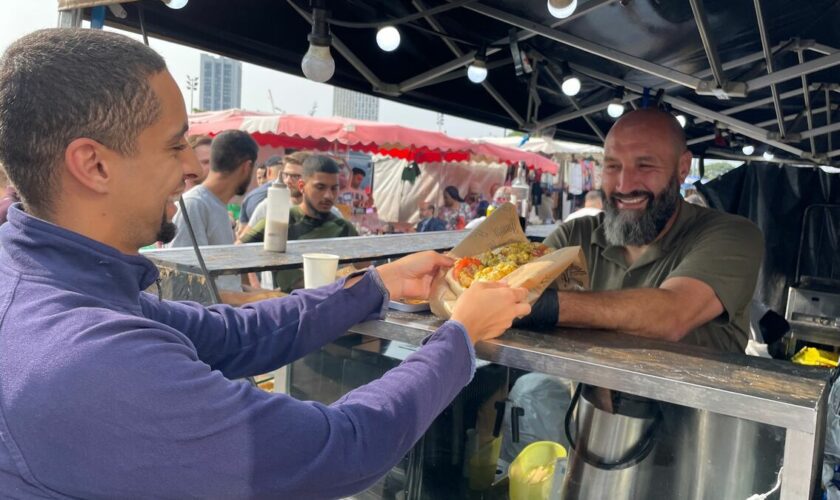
pixel 811 66
pixel 71 18
pixel 768 57
pixel 420 5
pixel 828 115
pixel 763 124
pixel 610 54
pixel 761 102
pixel 521 36
pixel 708 41
pixel 807 96
pixel 827 129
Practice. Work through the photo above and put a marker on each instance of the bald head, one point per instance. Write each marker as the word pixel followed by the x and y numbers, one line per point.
pixel 653 124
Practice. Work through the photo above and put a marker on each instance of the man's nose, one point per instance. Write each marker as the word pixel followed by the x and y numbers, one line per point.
pixel 628 180
pixel 191 166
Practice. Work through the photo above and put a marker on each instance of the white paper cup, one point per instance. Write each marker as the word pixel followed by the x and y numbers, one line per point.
pixel 319 269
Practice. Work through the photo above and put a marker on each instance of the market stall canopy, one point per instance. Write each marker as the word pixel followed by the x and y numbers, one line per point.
pixel 549 147
pixel 338 134
pixel 763 73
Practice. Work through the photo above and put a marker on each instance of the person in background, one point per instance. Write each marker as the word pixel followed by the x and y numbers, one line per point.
pixel 260 175
pixel 258 194
pixel 354 196
pixel 200 145
pixel 592 205
pixel 10 195
pixel 289 172
pixel 111 392
pixel 313 218
pixel 233 155
pixel 481 216
pixel 455 212
pixel 475 199
pixel 428 221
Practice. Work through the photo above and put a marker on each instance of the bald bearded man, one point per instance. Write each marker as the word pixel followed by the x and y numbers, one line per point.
pixel 659 267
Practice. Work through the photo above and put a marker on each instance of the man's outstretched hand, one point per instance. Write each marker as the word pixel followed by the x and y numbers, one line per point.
pixel 411 277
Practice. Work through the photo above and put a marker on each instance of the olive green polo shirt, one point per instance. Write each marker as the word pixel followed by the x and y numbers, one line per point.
pixel 722 250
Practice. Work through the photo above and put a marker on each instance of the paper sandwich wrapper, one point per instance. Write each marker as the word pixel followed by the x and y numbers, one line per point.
pixel 561 269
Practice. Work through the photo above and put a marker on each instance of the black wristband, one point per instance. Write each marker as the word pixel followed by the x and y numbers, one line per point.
pixel 544 313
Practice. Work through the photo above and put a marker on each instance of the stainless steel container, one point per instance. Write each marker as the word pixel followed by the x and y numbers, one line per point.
pixel 614 435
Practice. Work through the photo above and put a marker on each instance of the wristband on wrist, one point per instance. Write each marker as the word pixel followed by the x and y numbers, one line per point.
pixel 544 313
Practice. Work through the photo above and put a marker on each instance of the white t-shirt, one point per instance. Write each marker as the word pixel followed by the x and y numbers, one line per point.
pixel 211 225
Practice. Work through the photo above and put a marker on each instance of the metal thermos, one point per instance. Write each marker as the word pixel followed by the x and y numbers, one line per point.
pixel 613 436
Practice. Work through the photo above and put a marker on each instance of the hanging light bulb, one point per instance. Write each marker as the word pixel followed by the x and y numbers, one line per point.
pixel 768 155
pixel 748 149
pixel 616 108
pixel 175 4
pixel 683 120
pixel 477 71
pixel 318 64
pixel 562 9
pixel 571 85
pixel 388 38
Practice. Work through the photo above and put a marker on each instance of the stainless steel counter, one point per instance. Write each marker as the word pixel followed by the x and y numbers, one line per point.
pixel 762 390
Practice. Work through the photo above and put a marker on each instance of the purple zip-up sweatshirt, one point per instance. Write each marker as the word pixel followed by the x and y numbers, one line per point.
pixel 108 392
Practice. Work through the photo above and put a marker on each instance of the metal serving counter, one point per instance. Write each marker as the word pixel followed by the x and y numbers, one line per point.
pixel 755 389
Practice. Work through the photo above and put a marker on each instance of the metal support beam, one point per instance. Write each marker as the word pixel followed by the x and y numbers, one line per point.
pixel 565 115
pixel 595 128
pixel 418 81
pixel 503 103
pixel 827 129
pixel 828 115
pixel 71 18
pixel 689 107
pixel 768 57
pixel 708 40
pixel 809 67
pixel 428 77
pixel 807 96
pixel 421 6
pixel 761 102
pixel 766 123
pixel 610 54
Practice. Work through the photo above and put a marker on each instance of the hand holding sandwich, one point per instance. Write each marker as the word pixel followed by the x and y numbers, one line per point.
pixel 487 309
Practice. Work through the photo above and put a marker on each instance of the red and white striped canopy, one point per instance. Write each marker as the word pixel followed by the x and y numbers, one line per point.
pixel 339 134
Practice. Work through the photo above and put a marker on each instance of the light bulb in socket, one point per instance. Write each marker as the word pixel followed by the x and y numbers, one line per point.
pixel 388 38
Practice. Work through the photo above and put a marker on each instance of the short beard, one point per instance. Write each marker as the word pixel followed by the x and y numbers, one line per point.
pixel 243 188
pixel 314 210
pixel 167 231
pixel 625 228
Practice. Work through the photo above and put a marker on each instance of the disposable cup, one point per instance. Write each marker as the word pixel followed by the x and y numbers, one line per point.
pixel 319 269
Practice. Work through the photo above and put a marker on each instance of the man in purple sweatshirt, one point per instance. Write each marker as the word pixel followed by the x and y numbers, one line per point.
pixel 109 392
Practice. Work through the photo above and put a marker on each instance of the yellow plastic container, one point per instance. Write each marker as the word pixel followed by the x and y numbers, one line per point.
pixel 532 472
pixel 811 356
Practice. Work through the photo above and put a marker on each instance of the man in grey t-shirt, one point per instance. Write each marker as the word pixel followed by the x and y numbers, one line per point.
pixel 232 157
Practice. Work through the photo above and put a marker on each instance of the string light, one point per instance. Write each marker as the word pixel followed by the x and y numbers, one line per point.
pixel 477 71
pixel 318 64
pixel 388 38
pixel 562 9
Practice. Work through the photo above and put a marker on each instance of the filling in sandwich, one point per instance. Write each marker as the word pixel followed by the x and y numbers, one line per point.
pixel 495 264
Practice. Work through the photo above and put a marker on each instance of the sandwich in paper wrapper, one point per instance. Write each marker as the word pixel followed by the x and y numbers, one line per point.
pixel 498 250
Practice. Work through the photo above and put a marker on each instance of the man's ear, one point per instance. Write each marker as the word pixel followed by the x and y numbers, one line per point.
pixel 684 166
pixel 87 163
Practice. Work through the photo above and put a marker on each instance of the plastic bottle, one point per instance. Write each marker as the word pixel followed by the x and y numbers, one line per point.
pixel 277 217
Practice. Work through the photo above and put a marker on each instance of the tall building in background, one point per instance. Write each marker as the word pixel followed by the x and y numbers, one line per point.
pixel 350 104
pixel 221 83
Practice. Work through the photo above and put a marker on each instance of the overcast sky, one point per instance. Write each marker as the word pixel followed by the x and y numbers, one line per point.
pixel 19 18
